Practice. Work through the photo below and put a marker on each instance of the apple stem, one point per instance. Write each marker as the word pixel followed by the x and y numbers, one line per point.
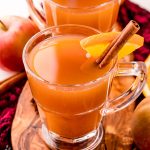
pixel 3 26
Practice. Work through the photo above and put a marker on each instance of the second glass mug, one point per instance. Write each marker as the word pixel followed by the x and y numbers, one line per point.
pixel 71 113
pixel 99 14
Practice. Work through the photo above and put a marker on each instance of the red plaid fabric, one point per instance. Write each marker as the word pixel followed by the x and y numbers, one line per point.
pixel 8 103
pixel 130 11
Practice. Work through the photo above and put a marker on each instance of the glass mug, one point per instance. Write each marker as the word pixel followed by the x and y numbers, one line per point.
pixel 99 14
pixel 71 113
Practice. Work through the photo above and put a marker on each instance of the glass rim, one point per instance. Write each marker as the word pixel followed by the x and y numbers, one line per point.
pixel 81 8
pixel 37 35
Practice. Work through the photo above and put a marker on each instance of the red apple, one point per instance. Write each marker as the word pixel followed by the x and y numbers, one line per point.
pixel 15 31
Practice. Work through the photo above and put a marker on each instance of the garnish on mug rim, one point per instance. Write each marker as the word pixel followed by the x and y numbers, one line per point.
pixel 105 46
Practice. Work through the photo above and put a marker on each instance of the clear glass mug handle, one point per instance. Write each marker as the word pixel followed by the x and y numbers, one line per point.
pixel 36 15
pixel 137 69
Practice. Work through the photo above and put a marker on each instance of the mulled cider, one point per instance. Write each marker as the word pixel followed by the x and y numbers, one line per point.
pixel 75 100
pixel 100 14
pixel 69 87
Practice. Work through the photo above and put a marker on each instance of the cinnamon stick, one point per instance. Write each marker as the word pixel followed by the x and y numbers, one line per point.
pixel 4 86
pixel 114 47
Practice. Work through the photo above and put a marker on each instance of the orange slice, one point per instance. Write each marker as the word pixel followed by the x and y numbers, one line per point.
pixel 96 44
pixel 146 90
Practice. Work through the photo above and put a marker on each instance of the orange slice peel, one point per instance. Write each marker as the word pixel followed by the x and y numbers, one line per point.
pixel 96 44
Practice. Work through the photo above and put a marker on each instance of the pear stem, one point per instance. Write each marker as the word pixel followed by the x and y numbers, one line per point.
pixel 3 26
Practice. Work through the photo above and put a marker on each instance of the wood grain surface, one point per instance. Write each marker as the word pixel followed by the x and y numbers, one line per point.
pixel 26 128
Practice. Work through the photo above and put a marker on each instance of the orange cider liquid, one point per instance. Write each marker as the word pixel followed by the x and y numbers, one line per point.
pixel 85 12
pixel 67 110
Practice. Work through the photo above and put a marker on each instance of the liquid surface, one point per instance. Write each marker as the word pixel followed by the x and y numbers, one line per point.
pixel 63 61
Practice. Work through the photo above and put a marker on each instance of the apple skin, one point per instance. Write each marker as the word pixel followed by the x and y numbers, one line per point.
pixel 12 41
pixel 141 124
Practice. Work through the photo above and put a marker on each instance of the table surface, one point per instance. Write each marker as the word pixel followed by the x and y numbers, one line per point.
pixel 19 7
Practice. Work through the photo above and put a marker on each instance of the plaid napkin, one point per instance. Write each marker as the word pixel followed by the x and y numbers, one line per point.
pixel 8 103
pixel 8 100
pixel 130 11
